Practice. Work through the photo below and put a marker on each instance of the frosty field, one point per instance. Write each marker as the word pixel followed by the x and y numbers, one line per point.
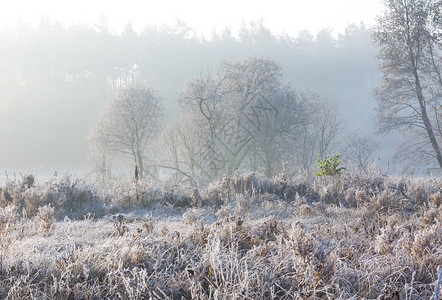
pixel 357 236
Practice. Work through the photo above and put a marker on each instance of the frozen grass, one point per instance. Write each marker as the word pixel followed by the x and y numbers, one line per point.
pixel 358 236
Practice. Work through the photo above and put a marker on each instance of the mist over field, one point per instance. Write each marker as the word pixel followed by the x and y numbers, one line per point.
pixel 57 79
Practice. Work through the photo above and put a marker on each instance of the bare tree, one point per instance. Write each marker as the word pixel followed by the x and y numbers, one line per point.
pixel 99 152
pixel 129 122
pixel 328 125
pixel 409 38
pixel 180 149
pixel 359 149
pixel 320 131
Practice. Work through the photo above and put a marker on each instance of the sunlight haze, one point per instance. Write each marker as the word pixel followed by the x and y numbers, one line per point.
pixel 280 16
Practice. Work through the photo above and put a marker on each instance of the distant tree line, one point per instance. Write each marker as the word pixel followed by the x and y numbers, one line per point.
pixel 57 80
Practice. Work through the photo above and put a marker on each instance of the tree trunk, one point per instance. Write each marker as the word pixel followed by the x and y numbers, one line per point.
pixel 420 96
pixel 425 118
pixel 140 165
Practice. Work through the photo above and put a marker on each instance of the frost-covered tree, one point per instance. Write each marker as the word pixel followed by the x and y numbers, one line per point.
pixel 130 120
pixel 410 49
pixel 241 117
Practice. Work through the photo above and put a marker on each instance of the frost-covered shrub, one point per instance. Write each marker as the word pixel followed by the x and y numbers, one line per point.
pixel 8 215
pixel 243 205
pixel 254 187
pixel 301 183
pixel 5 197
pixel 47 220
pixel 32 199
pixel 13 192
pixel 27 181
pixel 71 197
pixel 68 196
pixel 436 198
pixel 331 194
pixel 119 224
pixel 124 195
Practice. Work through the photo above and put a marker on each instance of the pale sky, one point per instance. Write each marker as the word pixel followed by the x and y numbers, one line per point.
pixel 280 16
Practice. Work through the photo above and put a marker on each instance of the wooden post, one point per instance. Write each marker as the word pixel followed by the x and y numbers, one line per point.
pixel 136 182
pixel 136 173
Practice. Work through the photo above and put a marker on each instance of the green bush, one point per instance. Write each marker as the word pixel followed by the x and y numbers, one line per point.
pixel 329 166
